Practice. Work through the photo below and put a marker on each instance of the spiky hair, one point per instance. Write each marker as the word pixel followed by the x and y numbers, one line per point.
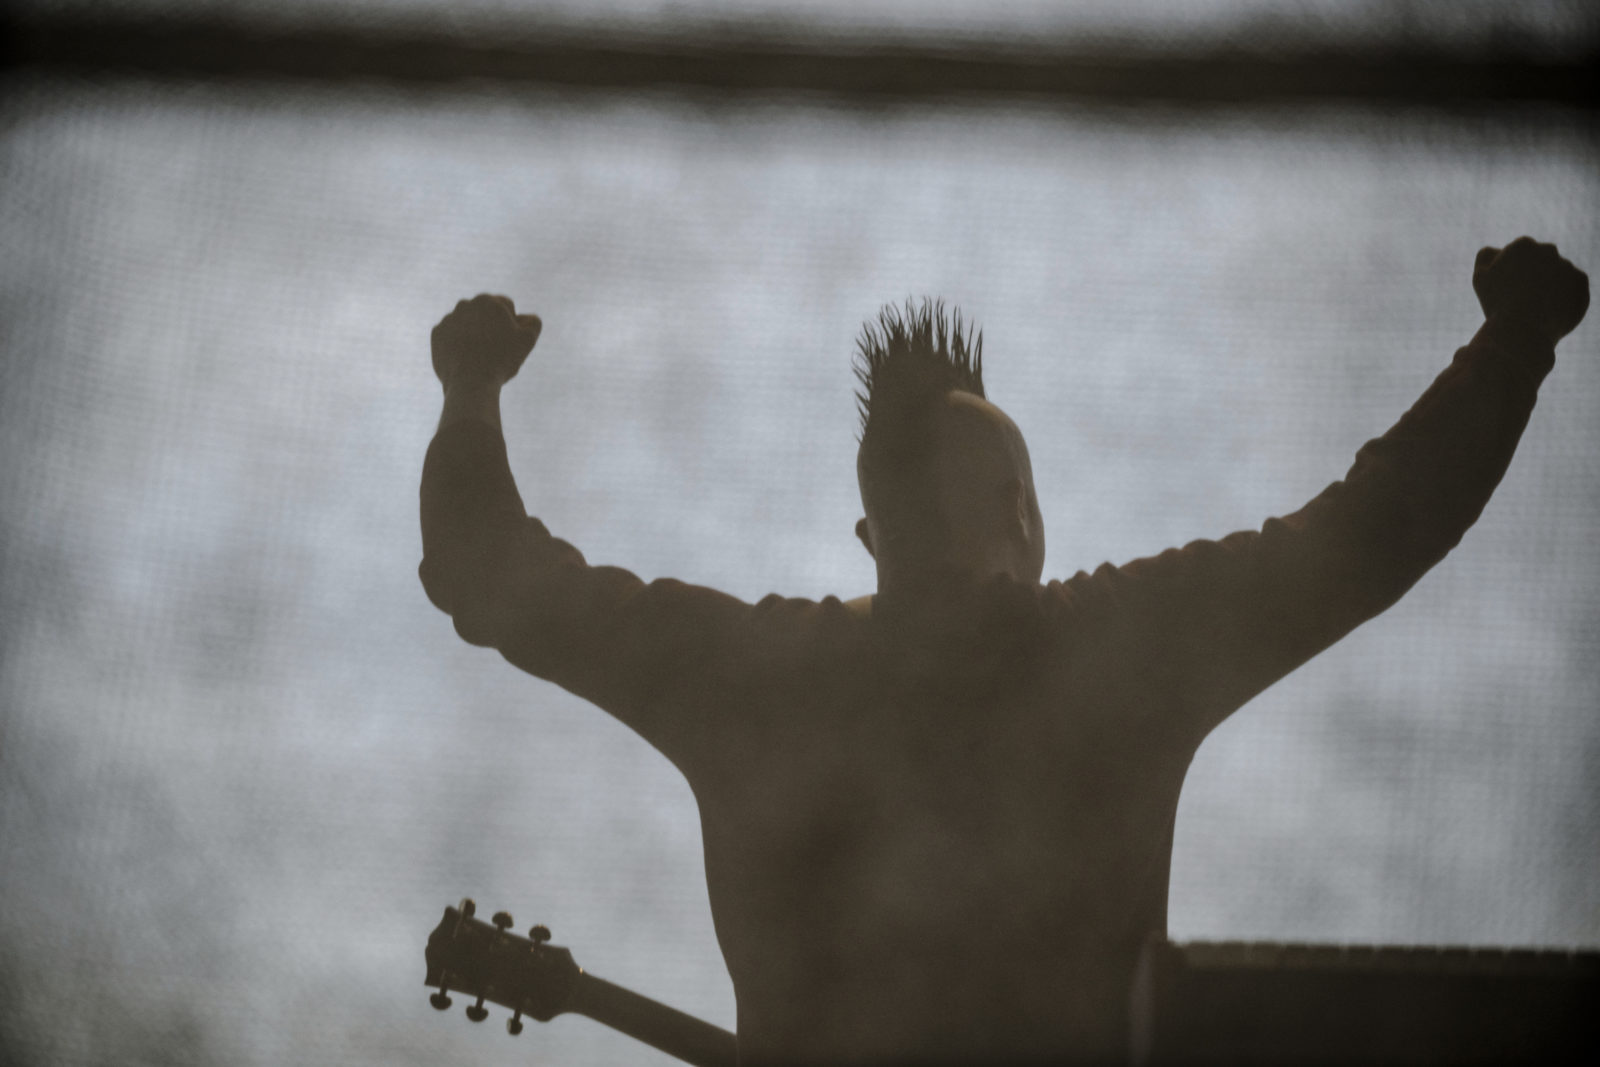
pixel 910 356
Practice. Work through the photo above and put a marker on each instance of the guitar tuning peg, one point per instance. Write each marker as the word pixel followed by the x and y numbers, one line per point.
pixel 477 1012
pixel 441 999
pixel 514 1024
pixel 538 934
pixel 464 913
pixel 502 921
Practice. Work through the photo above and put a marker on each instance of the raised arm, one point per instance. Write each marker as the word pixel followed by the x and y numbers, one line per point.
pixel 599 632
pixel 1228 618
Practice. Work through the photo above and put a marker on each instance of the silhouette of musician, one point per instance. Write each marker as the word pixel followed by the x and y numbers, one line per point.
pixel 938 819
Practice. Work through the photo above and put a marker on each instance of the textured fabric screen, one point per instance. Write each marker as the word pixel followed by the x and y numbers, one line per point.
pixel 244 764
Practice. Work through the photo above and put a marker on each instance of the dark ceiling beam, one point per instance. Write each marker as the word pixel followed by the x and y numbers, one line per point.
pixel 729 65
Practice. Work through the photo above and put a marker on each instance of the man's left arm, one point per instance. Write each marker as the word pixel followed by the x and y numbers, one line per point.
pixel 1230 617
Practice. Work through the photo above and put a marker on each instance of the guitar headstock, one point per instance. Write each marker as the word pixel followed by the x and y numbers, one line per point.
pixel 472 957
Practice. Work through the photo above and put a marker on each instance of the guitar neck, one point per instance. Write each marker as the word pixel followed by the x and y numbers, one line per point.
pixel 673 1032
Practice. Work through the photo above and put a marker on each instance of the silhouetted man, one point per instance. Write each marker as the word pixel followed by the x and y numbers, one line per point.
pixel 938 820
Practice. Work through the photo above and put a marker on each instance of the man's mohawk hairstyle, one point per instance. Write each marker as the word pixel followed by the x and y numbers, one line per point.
pixel 908 356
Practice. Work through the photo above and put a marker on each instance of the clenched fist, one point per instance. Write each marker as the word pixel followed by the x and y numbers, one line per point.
pixel 1529 286
pixel 483 340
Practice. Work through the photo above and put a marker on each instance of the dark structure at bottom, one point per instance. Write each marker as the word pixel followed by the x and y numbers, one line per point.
pixel 1260 1003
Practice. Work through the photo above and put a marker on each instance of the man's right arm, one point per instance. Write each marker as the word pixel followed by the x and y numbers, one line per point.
pixel 599 632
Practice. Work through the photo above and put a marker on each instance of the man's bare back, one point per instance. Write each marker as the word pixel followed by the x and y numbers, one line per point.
pixel 938 821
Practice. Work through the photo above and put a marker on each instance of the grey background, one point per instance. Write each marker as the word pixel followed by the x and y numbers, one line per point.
pixel 244 764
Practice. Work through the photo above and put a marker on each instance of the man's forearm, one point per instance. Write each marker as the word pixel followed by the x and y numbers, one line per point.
pixel 1413 492
pixel 470 503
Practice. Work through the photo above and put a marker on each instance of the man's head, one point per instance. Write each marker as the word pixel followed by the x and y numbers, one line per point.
pixel 945 477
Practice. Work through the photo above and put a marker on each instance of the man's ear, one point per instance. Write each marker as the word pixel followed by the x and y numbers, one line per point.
pixel 1019 498
pixel 866 537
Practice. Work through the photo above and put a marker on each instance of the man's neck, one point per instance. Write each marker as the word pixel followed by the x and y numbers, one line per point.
pixel 932 586
pixel 927 596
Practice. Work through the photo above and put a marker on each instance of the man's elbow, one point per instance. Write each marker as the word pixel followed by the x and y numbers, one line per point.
pixel 474 601
pixel 480 628
pixel 1418 530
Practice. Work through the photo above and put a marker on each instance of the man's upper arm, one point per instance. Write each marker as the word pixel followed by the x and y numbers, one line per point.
pixel 1230 617
pixel 600 632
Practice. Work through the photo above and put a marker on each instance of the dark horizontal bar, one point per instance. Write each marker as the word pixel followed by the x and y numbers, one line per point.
pixel 222 51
